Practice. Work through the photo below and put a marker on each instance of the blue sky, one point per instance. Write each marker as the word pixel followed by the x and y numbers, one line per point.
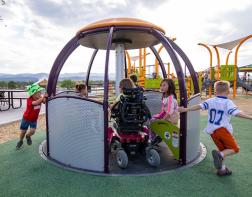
pixel 32 33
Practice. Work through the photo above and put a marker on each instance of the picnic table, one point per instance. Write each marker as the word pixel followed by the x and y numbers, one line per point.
pixel 9 100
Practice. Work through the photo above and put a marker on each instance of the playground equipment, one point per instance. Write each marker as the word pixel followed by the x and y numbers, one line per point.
pixel 77 127
pixel 146 79
pixel 149 75
pixel 246 81
pixel 232 69
pixel 227 73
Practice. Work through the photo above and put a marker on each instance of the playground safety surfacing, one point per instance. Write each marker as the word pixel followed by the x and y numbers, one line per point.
pixel 137 166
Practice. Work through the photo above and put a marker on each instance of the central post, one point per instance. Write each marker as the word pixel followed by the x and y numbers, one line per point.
pixel 120 66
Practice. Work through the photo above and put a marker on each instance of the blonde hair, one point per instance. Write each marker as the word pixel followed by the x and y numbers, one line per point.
pixel 221 86
pixel 126 83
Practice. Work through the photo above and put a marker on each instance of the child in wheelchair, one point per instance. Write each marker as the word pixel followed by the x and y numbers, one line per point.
pixel 129 135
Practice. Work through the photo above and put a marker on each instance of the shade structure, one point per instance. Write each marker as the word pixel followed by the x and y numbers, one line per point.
pixel 132 39
pixel 134 22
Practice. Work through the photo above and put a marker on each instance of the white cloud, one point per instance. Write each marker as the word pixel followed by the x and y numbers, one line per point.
pixel 37 30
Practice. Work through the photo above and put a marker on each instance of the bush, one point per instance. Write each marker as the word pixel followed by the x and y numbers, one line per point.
pixel 68 84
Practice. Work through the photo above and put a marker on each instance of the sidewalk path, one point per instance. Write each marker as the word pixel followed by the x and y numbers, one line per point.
pixel 13 115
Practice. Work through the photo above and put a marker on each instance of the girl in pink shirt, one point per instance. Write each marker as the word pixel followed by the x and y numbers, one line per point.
pixel 169 110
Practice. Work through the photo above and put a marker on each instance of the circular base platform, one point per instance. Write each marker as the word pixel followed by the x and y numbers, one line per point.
pixel 137 166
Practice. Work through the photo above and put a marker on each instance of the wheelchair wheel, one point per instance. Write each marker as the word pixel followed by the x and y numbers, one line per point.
pixel 122 159
pixel 153 157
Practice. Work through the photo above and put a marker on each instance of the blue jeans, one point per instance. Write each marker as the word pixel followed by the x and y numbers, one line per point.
pixel 25 124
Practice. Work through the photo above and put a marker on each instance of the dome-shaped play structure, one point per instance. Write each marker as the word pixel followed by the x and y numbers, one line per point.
pixel 77 127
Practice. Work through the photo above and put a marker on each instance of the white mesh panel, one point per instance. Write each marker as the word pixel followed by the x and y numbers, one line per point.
pixel 76 133
pixel 193 131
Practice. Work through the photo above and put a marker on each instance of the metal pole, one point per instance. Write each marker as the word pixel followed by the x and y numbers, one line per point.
pixel 211 66
pixel 236 63
pixel 218 61
pixel 187 63
pixel 227 59
pixel 120 66
pixel 90 65
pixel 183 93
pixel 159 61
pixel 105 101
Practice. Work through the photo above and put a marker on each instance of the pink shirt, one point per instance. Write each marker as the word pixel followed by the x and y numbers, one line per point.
pixel 169 105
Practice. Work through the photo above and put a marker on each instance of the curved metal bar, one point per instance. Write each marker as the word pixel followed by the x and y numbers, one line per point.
pixel 105 101
pixel 159 60
pixel 218 61
pixel 188 64
pixel 75 97
pixel 236 62
pixel 183 93
pixel 238 47
pixel 211 65
pixel 62 57
pixel 156 61
pixel 227 58
pixel 58 64
pixel 90 65
pixel 210 53
pixel 92 31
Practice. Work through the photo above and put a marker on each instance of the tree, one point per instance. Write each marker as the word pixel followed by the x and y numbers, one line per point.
pixel 68 84
pixel 3 84
pixel 12 85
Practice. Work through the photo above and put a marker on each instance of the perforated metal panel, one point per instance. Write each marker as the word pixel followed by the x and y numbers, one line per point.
pixel 76 133
pixel 154 101
pixel 193 131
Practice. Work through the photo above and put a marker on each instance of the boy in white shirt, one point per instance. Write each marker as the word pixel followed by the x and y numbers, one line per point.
pixel 218 126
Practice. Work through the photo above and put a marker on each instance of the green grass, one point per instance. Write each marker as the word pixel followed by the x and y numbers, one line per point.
pixel 25 173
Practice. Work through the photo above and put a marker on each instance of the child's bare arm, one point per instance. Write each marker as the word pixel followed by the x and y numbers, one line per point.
pixel 44 101
pixel 39 101
pixel 193 108
pixel 45 96
pixel 243 115
pixel 112 105
pixel 166 116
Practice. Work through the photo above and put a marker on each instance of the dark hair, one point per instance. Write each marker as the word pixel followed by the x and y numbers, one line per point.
pixel 79 87
pixel 171 87
pixel 133 78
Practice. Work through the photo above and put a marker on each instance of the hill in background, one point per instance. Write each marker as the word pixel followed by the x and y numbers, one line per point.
pixel 26 77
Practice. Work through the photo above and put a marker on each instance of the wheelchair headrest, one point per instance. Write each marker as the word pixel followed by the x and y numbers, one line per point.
pixel 134 93
pixel 131 111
